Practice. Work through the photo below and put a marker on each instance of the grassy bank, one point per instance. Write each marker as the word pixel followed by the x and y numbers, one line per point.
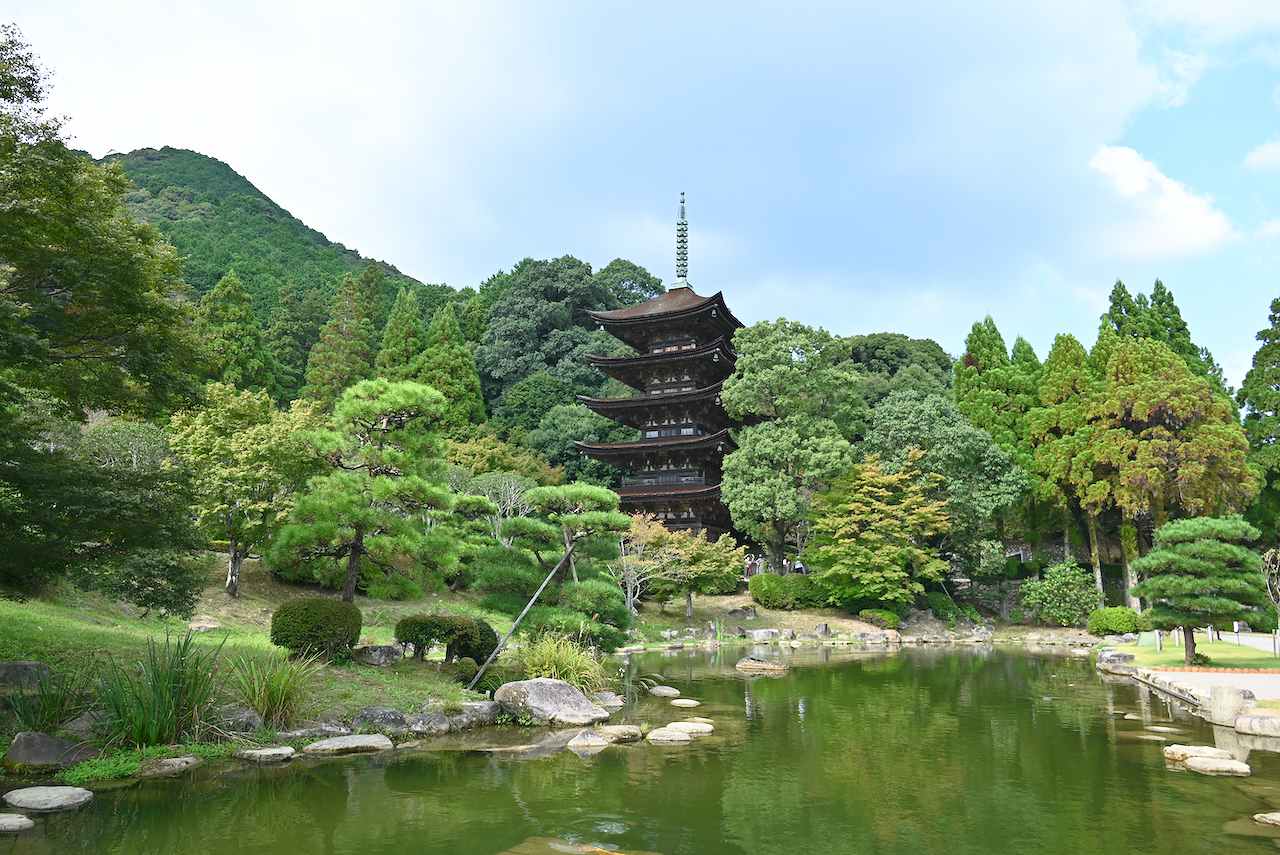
pixel 1222 654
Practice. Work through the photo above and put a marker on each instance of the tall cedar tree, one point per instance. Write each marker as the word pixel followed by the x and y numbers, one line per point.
pixel 292 332
pixel 1259 397
pixel 386 468
pixel 343 355
pixel 402 339
pixel 449 366
pixel 236 352
pixel 1199 574
pixel 1159 318
pixel 871 534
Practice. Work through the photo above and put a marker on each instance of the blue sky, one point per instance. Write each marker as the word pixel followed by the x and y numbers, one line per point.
pixel 863 166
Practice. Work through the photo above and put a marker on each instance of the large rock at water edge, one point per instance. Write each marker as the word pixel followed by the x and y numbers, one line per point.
pixel 357 744
pixel 429 724
pixel 168 766
pixel 609 700
pixel 693 728
pixel 1183 753
pixel 46 799
pixel 546 701
pixel 664 691
pixel 12 823
pixel 587 743
pixel 1218 766
pixel 756 665
pixel 668 736
pixel 316 730
pixel 1272 818
pixel 32 752
pixel 22 674
pixel 762 636
pixel 238 719
pixel 381 720
pixel 620 732
pixel 276 754
pixel 475 714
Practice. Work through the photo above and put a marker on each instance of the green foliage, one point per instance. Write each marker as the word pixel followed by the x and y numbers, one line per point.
pixel 166 697
pixel 943 607
pixel 474 640
pixel 463 637
pixel 448 366
pixel 507 572
pixel 628 282
pixel 275 688
pixel 598 598
pixel 1113 620
pixel 53 700
pixel 1064 594
pixel 870 533
pixel 316 626
pixel 292 331
pixel 563 425
pixel 560 658
pixel 525 402
pixel 882 618
pixel 573 624
pixel 343 354
pixel 1159 319
pixel 1259 397
pixel 786 593
pixel 892 362
pixel 402 339
pixel 235 350
pixel 483 452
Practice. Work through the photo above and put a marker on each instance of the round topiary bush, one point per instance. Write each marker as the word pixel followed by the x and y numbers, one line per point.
pixel 793 591
pixel 1115 620
pixel 422 631
pixel 312 626
pixel 1064 594
pixel 474 639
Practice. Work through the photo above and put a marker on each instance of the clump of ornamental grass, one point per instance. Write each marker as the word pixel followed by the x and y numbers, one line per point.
pixel 274 687
pixel 52 700
pixel 561 658
pixel 165 698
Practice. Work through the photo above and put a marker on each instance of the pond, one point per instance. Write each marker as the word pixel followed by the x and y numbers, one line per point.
pixel 918 752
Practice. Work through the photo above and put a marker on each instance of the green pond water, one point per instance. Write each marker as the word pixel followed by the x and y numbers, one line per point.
pixel 919 752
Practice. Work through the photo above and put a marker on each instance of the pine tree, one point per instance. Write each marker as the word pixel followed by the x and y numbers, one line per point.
pixel 1199 574
pixel 449 366
pixel 235 349
pixel 293 330
pixel 402 339
pixel 343 355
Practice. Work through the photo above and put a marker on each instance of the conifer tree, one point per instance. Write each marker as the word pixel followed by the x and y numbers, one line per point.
pixel 449 366
pixel 402 339
pixel 295 325
pixel 235 349
pixel 1259 397
pixel 343 355
pixel 984 387
pixel 1199 574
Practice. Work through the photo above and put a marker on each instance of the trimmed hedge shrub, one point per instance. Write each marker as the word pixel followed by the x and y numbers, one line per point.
pixel 317 626
pixel 463 637
pixel 597 597
pixel 475 640
pixel 1115 620
pixel 882 618
pixel 793 591
pixel 1064 595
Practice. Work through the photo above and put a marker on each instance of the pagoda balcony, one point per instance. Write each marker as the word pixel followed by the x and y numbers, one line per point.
pixel 704 364
pixel 664 479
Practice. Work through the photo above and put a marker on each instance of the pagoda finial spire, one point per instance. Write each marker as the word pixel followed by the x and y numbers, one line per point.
pixel 682 248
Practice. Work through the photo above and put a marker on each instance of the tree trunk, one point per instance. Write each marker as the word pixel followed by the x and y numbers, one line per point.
pixel 235 558
pixel 568 552
pixel 1093 556
pixel 538 593
pixel 688 605
pixel 1128 552
pixel 776 548
pixel 353 566
pixel 1188 644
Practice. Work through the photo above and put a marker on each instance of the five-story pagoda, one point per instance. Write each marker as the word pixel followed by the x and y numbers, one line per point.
pixel 685 352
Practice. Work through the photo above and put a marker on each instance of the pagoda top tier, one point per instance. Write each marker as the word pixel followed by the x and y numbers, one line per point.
pixel 679 312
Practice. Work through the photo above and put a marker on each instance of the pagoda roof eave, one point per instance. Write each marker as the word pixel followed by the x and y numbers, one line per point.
pixel 666 307
pixel 719 344
pixel 659 493
pixel 647 401
pixel 674 443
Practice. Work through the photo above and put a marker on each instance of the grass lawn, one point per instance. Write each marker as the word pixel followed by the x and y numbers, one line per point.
pixel 1222 654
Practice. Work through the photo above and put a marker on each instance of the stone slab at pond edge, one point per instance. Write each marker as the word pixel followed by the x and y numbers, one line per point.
pixel 668 736
pixel 356 744
pixel 693 728
pixel 1182 753
pixel 686 703
pixel 168 766
pixel 664 691
pixel 756 665
pixel 47 799
pixel 621 732
pixel 546 701
pixel 1218 766
pixel 32 751
pixel 12 823
pixel 1272 818
pixel 277 754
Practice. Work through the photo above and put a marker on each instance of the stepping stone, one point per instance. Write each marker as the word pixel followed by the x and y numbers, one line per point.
pixel 41 799
pixel 1160 728
pixel 609 700
pixel 1272 818
pixel 701 719
pixel 620 732
pixel 668 736
pixel 693 728
pixel 357 744
pixel 278 754
pixel 1181 753
pixel 1218 766
pixel 587 743
pixel 168 766
pixel 664 692
pixel 686 703
pixel 12 823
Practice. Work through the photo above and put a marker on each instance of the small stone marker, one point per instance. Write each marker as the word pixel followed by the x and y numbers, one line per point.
pixel 668 736
pixel 12 823
pixel 687 703
pixel 47 798
pixel 278 754
pixel 664 692
pixel 1218 766
pixel 357 744
pixel 693 728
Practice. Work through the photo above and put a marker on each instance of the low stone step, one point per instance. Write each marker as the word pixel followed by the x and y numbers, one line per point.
pixel 686 703
pixel 12 823
pixel 668 736
pixel 1218 766
pixel 664 692
pixel 276 754
pixel 355 744
pixel 47 799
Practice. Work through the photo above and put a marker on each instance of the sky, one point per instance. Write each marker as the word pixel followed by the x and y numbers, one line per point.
pixel 862 166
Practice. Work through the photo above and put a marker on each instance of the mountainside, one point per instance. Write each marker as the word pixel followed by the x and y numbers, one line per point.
pixel 219 221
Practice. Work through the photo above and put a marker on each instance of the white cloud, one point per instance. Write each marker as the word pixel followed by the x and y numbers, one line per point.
pixel 1155 216
pixel 1214 19
pixel 1181 71
pixel 1265 156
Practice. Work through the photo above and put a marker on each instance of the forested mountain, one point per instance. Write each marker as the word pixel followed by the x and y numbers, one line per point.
pixel 219 221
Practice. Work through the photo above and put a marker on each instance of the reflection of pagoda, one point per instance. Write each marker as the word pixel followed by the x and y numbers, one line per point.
pixel 685 346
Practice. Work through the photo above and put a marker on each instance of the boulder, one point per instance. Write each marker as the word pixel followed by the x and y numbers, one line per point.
pixel 277 754
pixel 686 703
pixel 547 701
pixel 693 728
pixel 45 799
pixel 380 720
pixel 1126 638
pixel 1272 818
pixel 756 665
pixel 667 736
pixel 742 613
pixel 168 766
pixel 22 674
pixel 429 724
pixel 316 730
pixel 664 692
pixel 378 655
pixel 84 726
pixel 620 732
pixel 356 744
pixel 12 823
pixel 588 743
pixel 762 636
pixel 609 700
pixel 32 752
pixel 1181 753
pixel 1217 766
pixel 238 719
pixel 475 714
